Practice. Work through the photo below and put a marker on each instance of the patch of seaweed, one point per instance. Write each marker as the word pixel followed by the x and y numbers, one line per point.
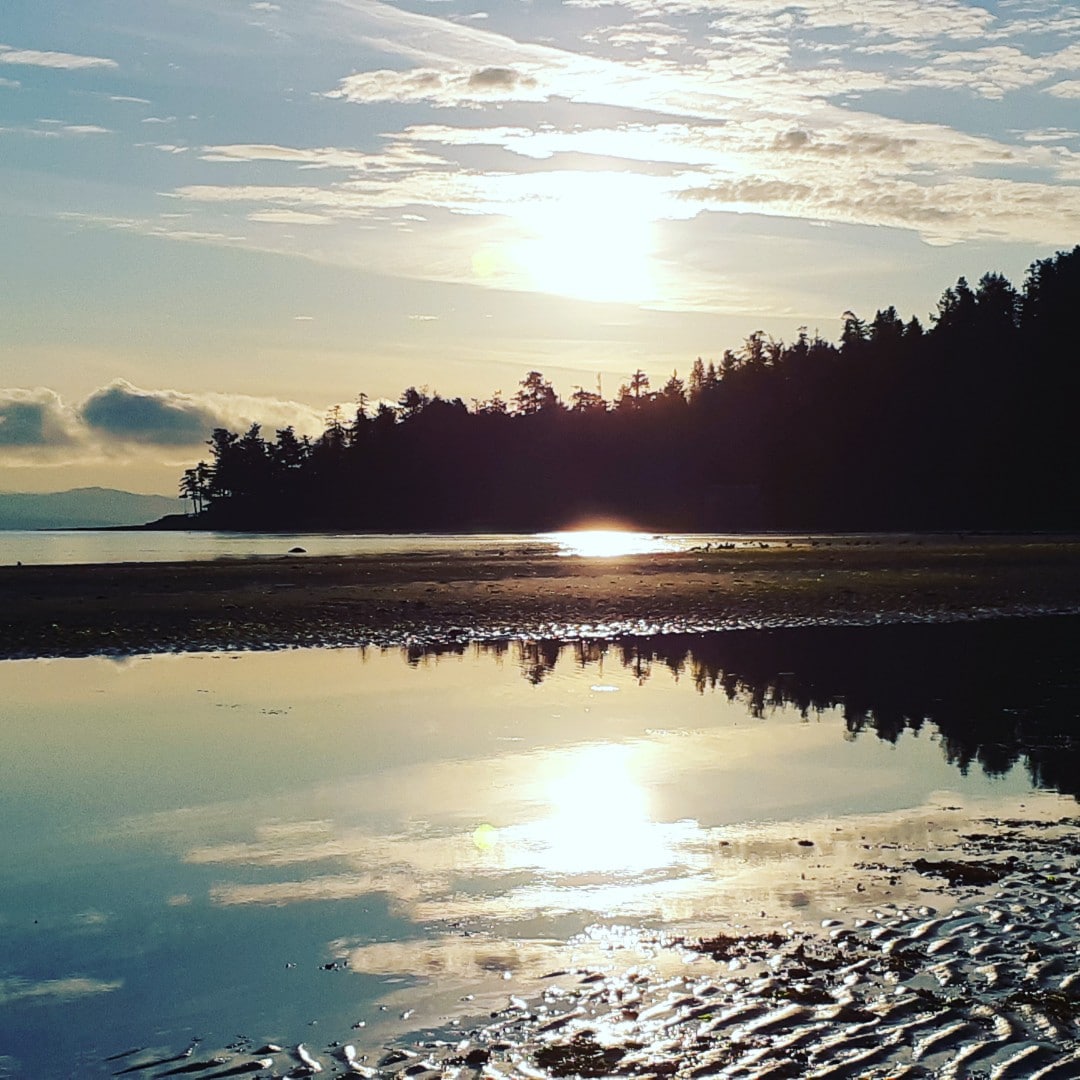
pixel 958 873
pixel 1061 1006
pixel 582 1056
pixel 728 946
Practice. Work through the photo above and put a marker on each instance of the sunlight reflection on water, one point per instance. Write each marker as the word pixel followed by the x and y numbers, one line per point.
pixel 610 543
pixel 435 822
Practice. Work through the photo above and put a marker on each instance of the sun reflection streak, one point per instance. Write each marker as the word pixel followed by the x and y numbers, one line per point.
pixel 608 543
pixel 599 820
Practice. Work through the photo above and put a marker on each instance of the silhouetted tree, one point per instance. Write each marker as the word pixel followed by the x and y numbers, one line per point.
pixel 966 424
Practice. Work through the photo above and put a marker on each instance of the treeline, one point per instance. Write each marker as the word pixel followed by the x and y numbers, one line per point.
pixel 966 423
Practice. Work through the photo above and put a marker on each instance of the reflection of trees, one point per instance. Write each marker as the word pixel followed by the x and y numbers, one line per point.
pixel 997 692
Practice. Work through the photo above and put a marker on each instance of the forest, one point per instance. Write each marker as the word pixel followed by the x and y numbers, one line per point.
pixel 967 423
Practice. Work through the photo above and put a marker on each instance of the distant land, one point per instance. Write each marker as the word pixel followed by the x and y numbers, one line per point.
pixel 86 508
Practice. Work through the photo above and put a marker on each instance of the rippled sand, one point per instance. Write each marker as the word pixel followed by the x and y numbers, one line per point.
pixel 971 972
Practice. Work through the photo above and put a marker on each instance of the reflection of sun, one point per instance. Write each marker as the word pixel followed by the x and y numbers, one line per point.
pixel 600 818
pixel 587 248
pixel 599 543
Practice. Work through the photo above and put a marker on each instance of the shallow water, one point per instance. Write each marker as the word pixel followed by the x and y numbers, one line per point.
pixel 285 845
pixel 58 546
pixel 106 546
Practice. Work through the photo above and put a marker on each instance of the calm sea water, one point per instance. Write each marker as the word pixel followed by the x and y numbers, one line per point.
pixel 92 546
pixel 65 546
pixel 289 845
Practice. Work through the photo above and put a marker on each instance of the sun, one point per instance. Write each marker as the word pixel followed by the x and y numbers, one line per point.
pixel 586 247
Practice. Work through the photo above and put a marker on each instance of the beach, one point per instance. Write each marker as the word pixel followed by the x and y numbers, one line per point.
pixel 920 935
pixel 294 599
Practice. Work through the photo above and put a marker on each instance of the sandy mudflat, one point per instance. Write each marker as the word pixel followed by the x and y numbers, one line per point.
pixel 957 961
pixel 293 600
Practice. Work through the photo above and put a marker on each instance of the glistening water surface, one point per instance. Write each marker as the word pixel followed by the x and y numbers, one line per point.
pixel 59 546
pixel 288 845
pixel 75 546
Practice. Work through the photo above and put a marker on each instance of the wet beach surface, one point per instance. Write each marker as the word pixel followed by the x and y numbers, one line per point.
pixel 298 600
pixel 957 965
pixel 936 938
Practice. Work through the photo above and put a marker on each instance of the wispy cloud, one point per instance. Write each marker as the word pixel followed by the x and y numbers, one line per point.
pixel 445 89
pixel 38 58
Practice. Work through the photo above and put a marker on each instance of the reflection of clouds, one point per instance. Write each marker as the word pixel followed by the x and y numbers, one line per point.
pixel 280 893
pixel 738 869
pixel 54 989
pixel 445 955
pixel 92 918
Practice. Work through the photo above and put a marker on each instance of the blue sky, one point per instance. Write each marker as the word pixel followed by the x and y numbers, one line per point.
pixel 220 212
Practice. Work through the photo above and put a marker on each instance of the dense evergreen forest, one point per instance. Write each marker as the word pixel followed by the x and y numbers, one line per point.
pixel 967 423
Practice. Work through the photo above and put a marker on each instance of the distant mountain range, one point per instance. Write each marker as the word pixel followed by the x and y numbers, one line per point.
pixel 91 507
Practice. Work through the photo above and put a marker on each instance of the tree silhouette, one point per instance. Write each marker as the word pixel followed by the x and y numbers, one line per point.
pixel 967 424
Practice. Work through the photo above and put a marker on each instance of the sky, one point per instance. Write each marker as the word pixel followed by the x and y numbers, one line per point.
pixel 223 212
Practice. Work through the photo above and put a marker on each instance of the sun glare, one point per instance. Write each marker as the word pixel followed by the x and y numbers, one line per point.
pixel 586 248
pixel 608 543
pixel 599 820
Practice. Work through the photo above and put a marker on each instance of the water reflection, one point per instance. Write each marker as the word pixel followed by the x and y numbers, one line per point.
pixel 206 844
pixel 997 693
pixel 610 543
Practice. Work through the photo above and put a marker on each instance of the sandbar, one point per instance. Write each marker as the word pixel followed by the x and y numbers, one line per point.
pixel 294 600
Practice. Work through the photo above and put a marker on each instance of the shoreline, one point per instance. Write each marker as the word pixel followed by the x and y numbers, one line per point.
pixel 954 945
pixel 290 601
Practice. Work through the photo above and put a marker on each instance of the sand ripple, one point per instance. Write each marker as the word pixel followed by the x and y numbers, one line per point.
pixel 983 984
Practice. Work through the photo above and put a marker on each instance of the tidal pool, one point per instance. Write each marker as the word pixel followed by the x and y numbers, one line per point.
pixel 341 845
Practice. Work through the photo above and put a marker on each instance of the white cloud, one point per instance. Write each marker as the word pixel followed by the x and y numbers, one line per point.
pixel 394 158
pixel 1069 89
pixel 37 58
pixel 288 217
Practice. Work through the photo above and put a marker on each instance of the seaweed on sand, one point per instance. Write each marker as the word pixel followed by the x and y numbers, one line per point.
pixel 581 1056
pixel 958 873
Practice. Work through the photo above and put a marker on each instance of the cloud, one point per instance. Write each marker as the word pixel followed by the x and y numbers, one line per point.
pixel 35 418
pixel 499 78
pixel 681 107
pixel 67 61
pixel 991 72
pixel 1069 89
pixel 123 412
pixel 57 129
pixel 161 417
pixel 288 217
pixel 877 18
pixel 397 157
pixel 441 88
pixel 121 420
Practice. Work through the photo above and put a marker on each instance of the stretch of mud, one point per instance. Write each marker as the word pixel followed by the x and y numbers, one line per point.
pixel 973 975
pixel 296 601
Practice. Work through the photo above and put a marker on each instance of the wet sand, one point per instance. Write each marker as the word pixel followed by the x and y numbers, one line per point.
pixel 953 955
pixel 955 959
pixel 298 600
